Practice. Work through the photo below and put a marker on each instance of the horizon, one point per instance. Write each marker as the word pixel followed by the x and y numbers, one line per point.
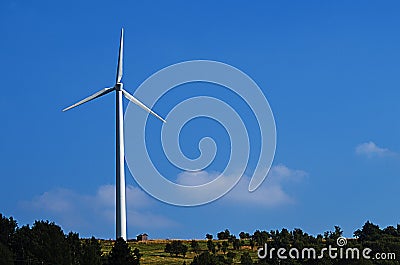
pixel 134 238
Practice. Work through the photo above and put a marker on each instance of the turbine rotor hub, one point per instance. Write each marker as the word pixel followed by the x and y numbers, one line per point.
pixel 118 86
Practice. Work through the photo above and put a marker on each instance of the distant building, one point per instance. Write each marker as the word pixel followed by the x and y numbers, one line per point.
pixel 142 237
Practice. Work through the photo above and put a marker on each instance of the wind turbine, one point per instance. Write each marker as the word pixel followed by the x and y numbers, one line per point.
pixel 120 156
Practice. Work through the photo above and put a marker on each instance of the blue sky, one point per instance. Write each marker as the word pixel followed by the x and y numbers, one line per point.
pixel 329 70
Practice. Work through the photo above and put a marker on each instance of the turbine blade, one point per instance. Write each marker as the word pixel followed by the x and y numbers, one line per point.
pixel 140 104
pixel 95 95
pixel 120 56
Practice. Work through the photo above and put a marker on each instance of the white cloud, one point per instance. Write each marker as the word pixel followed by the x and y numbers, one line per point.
pixel 370 149
pixel 94 214
pixel 270 194
pixel 78 212
pixel 196 178
pixel 281 173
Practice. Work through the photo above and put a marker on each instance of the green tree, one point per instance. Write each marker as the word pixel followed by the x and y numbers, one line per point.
pixel 136 255
pixel 284 237
pixel 44 243
pixel 183 249
pixel 21 242
pixel 218 246
pixel 224 234
pixel 246 259
pixel 168 248
pixel 261 237
pixel 209 236
pixel 202 259
pixel 369 232
pixel 244 235
pixel 337 233
pixel 231 238
pixel 251 243
pixel 224 246
pixel 237 244
pixel 91 252
pixel 49 243
pixel 6 255
pixel 75 247
pixel 391 231
pixel 211 246
pixel 195 246
pixel 121 254
pixel 8 227
pixel 176 247
pixel 230 255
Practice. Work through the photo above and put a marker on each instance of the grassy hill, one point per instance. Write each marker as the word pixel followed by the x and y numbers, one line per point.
pixel 153 251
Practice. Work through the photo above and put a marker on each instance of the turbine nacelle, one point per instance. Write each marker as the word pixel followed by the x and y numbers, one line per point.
pixel 119 86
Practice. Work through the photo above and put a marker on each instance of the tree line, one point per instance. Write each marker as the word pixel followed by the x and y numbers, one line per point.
pixel 224 250
pixel 45 243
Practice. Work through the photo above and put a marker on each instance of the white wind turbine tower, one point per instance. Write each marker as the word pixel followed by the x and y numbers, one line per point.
pixel 120 156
